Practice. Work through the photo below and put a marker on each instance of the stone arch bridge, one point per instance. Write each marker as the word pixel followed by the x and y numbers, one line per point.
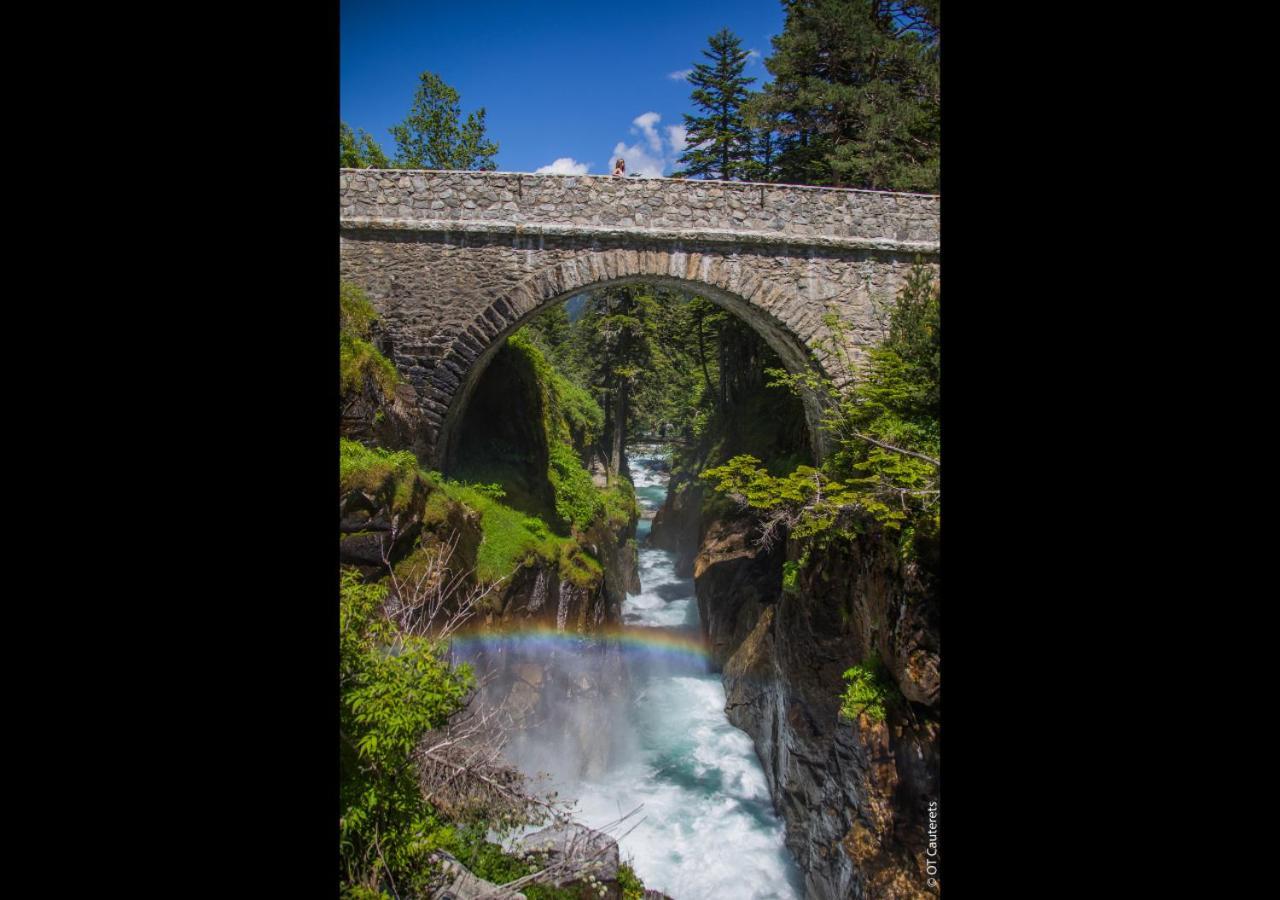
pixel 455 261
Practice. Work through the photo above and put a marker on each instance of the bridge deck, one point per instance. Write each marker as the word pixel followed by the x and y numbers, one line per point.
pixel 661 208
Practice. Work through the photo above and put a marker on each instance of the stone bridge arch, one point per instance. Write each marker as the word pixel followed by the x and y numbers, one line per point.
pixel 454 262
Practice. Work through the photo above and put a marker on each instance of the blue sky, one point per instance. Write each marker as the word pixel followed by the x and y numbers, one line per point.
pixel 564 84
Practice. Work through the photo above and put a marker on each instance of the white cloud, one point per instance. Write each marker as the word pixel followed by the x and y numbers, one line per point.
pixel 565 165
pixel 639 160
pixel 752 56
pixel 645 123
pixel 680 74
pixel 678 138
pixel 658 150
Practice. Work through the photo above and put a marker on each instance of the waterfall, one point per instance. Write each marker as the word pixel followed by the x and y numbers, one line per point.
pixel 562 613
pixel 539 596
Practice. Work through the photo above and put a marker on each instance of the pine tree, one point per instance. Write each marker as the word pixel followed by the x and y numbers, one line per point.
pixel 856 93
pixel 766 145
pixel 433 136
pixel 720 144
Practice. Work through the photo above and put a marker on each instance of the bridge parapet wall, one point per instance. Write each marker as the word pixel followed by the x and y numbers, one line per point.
pixel 640 203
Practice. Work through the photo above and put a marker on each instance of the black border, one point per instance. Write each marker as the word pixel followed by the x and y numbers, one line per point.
pixel 249 331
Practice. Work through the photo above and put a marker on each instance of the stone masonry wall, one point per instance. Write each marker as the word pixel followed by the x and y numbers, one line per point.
pixel 659 203
pixel 456 261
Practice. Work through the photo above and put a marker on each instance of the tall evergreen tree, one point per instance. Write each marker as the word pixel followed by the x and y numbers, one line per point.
pixel 766 144
pixel 433 136
pixel 721 145
pixel 856 93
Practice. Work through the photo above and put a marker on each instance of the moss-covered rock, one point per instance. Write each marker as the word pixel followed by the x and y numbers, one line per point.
pixel 377 405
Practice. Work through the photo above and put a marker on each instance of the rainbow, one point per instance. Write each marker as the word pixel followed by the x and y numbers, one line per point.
pixel 646 641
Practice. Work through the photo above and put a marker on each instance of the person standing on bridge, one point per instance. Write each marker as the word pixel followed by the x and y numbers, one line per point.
pixel 620 168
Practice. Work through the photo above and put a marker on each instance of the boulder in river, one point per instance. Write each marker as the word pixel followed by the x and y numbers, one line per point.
pixel 462 885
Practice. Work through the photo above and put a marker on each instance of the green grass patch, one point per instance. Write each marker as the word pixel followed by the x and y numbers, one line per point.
pixel 571 414
pixel 511 538
pixel 619 503
pixel 580 567
pixel 578 503
pixel 393 477
pixel 359 360
pixel 356 314
pixel 629 881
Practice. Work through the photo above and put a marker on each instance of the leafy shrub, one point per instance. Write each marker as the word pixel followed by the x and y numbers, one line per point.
pixel 869 689
pixel 356 314
pixel 629 881
pixel 578 503
pixel 359 361
pixel 884 431
pixel 790 576
pixel 394 688
pixel 493 491
pixel 536 527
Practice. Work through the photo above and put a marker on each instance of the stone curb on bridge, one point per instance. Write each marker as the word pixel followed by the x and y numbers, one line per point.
pixel 711 235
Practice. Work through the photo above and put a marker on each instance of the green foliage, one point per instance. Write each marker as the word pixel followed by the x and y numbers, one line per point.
pixel 580 567
pixel 510 538
pixel 492 491
pixel 619 500
pixel 884 432
pixel 855 96
pixel 790 576
pixel 571 414
pixel 720 144
pixel 359 362
pixel 817 500
pixel 629 881
pixel 644 351
pixel 394 688
pixel 392 477
pixel 358 150
pixel 432 136
pixel 870 689
pixel 578 503
pixel 487 860
pixel 536 527
pixel 356 314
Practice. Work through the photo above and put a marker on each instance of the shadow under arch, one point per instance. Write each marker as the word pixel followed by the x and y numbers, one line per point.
pixel 791 350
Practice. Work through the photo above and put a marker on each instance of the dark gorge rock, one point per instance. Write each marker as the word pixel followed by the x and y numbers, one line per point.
pixel 854 795
pixel 676 523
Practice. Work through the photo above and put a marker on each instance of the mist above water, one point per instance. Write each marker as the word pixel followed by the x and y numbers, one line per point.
pixel 639 722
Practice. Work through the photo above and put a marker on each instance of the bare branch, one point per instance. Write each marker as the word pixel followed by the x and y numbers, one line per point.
pixel 871 440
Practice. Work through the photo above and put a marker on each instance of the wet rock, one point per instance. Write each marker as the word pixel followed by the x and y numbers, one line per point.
pixel 734 580
pixel 362 549
pixel 593 856
pixel 854 795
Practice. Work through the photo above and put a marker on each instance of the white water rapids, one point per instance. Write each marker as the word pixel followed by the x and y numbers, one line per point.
pixel 709 827
pixel 637 724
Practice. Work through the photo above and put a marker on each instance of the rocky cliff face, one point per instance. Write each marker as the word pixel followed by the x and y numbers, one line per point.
pixel 394 524
pixel 854 795
pixel 409 521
